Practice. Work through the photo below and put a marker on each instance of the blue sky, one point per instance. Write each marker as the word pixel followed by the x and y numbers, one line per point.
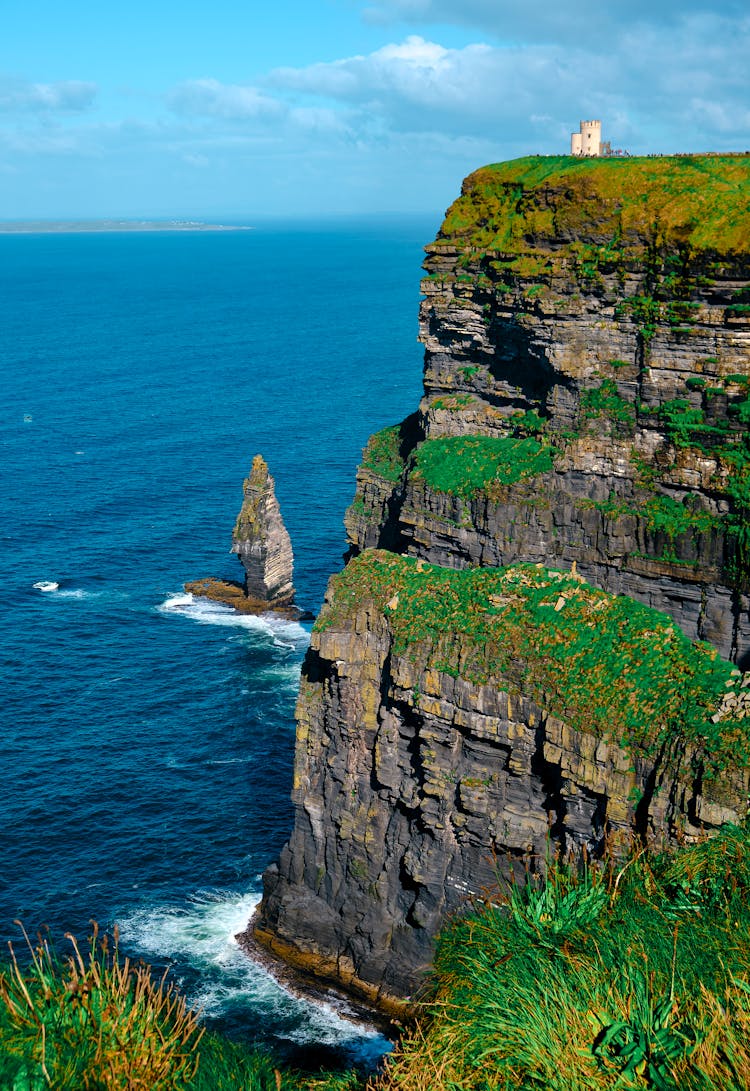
pixel 244 110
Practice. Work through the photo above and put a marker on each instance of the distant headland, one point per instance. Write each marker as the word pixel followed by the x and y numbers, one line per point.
pixel 69 227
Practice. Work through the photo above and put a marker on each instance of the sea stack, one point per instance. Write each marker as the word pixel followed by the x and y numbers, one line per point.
pixel 262 542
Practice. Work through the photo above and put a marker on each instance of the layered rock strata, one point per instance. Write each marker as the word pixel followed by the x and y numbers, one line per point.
pixel 262 543
pixel 586 407
pixel 604 310
pixel 261 540
pixel 439 741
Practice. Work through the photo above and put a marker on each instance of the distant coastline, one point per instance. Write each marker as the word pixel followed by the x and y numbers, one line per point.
pixel 69 227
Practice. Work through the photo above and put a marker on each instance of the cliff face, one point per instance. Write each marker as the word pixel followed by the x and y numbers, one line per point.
pixel 600 313
pixel 586 407
pixel 439 738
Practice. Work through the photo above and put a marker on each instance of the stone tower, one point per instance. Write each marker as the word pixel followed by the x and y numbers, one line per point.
pixel 588 139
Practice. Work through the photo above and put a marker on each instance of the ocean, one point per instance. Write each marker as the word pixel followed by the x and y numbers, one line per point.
pixel 148 738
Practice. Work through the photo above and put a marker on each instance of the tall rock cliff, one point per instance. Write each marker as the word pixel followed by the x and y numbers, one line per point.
pixel 587 333
pixel 586 409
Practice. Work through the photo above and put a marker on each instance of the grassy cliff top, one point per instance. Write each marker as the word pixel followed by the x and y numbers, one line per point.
pixel 600 662
pixel 699 200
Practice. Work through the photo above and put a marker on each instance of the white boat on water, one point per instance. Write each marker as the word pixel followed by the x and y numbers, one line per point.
pixel 46 585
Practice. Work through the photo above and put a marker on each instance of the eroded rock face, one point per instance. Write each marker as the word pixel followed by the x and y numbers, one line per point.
pixel 261 541
pixel 617 332
pixel 414 788
pixel 586 407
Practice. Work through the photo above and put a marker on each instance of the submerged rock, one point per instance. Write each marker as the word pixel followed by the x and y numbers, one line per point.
pixel 261 541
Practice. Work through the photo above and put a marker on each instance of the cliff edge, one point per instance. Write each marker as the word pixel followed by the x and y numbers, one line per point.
pixel 507 664
pixel 586 386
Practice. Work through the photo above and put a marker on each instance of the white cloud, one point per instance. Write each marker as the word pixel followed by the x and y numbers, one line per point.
pixel 233 102
pixel 415 84
pixel 65 96
pixel 536 93
pixel 398 126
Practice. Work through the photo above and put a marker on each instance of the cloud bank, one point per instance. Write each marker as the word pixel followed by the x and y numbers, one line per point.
pixel 65 96
pixel 398 125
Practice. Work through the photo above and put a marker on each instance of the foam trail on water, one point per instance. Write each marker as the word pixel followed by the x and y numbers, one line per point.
pixel 286 634
pixel 202 934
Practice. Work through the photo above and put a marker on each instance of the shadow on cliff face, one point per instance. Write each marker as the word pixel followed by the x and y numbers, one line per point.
pixel 523 373
pixel 391 537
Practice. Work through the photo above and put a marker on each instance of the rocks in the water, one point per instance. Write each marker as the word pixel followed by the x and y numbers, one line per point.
pixel 262 542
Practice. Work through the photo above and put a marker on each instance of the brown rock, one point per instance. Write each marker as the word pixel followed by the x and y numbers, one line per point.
pixel 261 541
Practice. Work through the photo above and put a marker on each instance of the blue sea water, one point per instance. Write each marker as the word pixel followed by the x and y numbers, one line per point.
pixel 148 739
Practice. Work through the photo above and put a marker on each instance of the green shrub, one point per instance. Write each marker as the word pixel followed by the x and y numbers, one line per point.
pixel 606 401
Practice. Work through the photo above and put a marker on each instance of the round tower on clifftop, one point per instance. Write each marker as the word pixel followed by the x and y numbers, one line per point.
pixel 588 139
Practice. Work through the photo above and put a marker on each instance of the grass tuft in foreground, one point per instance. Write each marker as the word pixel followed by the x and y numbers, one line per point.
pixel 92 1020
pixel 637 977
pixel 632 976
pixel 95 1021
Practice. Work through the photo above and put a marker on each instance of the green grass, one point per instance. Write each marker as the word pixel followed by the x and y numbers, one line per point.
pixel 382 454
pixel 503 627
pixel 92 1020
pixel 634 976
pixel 465 465
pixel 629 976
pixel 453 401
pixel 698 202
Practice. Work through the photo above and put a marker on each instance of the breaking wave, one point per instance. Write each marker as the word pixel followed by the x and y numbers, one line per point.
pixel 202 933
pixel 284 633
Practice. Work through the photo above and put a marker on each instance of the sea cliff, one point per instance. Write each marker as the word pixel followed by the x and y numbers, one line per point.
pixel 506 664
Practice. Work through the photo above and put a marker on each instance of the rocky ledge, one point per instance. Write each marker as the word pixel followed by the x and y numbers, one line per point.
pixel 587 387
pixel 451 724
pixel 488 682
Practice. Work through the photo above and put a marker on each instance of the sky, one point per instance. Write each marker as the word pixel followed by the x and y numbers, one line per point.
pixel 316 108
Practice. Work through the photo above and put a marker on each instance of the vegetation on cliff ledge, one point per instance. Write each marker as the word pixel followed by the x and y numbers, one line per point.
pixel 382 454
pixel 699 202
pixel 558 640
pixel 465 465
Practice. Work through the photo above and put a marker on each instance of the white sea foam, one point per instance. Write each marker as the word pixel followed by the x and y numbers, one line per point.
pixel 52 587
pixel 284 633
pixel 202 934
